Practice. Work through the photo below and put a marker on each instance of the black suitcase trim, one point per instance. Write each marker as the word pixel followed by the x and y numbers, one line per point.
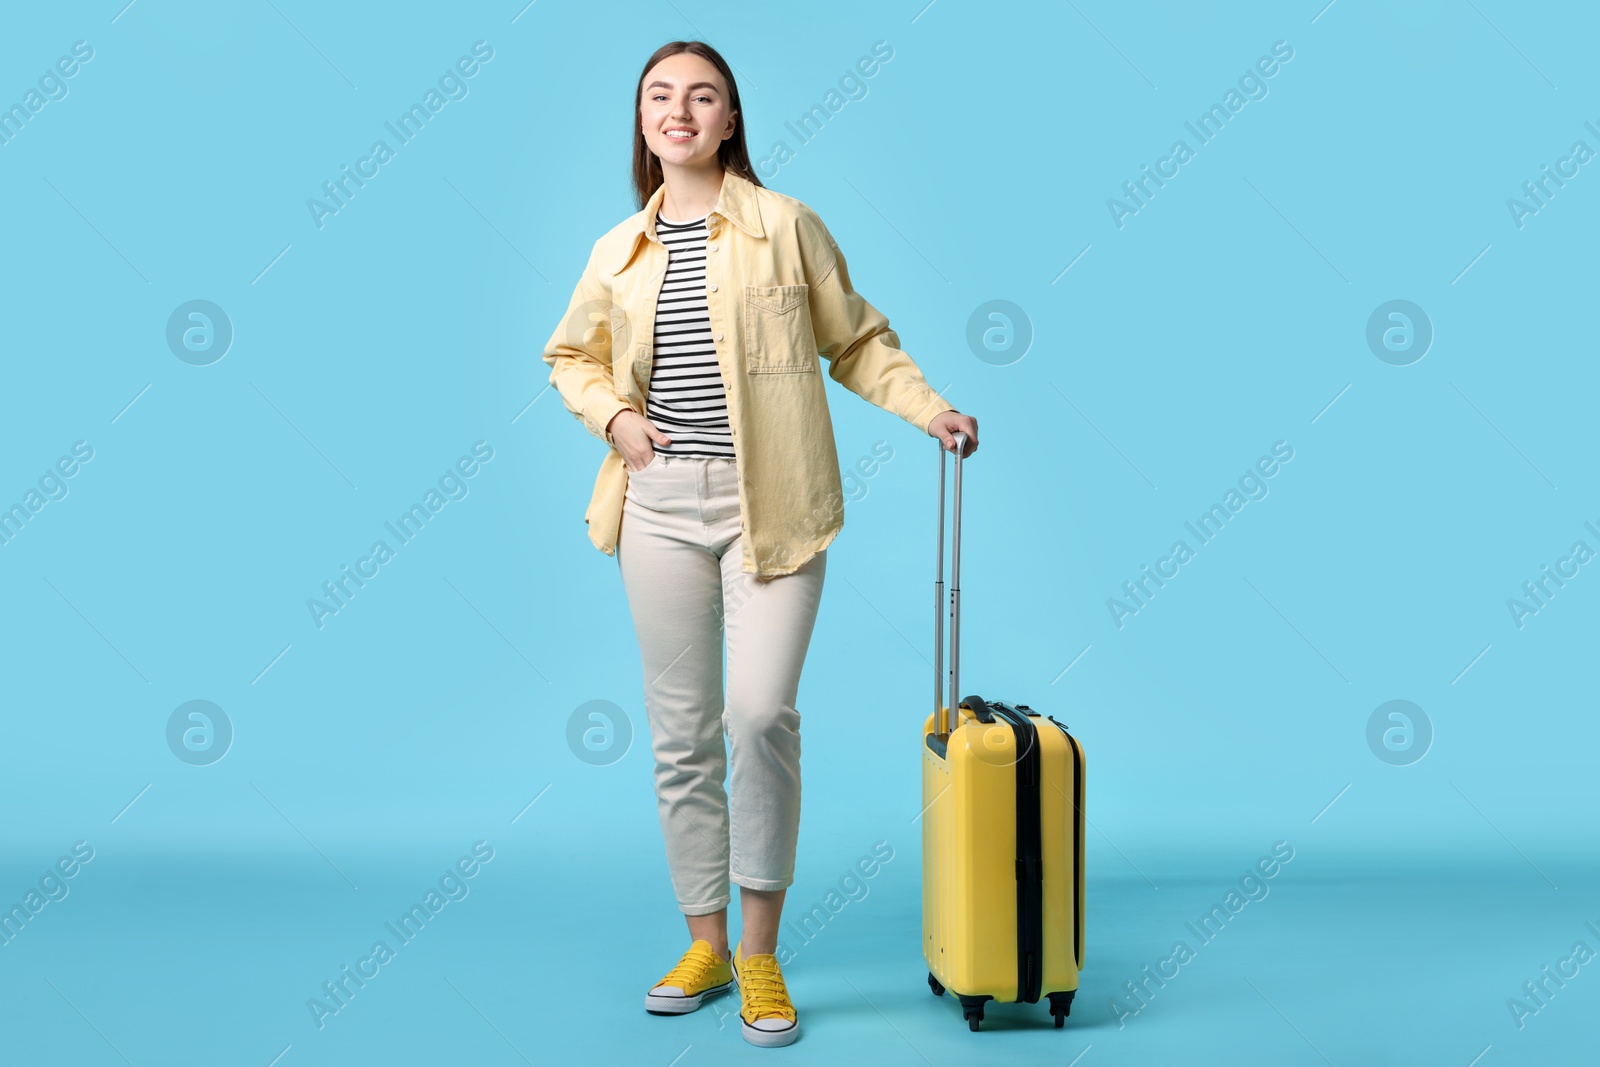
pixel 1030 857
pixel 1077 841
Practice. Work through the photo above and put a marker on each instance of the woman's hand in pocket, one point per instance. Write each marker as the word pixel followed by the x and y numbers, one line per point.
pixel 635 437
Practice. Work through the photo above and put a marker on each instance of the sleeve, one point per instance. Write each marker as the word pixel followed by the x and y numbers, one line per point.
pixel 862 351
pixel 579 354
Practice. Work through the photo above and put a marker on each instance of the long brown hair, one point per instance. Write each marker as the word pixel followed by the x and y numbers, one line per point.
pixel 731 153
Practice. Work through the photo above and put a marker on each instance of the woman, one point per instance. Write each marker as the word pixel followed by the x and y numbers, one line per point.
pixel 692 345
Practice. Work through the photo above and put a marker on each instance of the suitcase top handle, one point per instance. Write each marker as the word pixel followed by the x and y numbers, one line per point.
pixel 941 710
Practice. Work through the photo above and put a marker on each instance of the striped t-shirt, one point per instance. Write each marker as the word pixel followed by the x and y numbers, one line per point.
pixel 687 401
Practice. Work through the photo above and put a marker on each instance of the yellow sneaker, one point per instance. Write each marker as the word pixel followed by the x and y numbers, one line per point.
pixel 766 1016
pixel 701 973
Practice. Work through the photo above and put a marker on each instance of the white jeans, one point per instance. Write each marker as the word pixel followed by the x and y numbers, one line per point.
pixel 679 554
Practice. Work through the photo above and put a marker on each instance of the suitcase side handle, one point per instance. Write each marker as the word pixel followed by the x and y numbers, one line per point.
pixel 941 710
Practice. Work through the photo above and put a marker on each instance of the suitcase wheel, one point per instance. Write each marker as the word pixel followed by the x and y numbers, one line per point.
pixel 933 984
pixel 1061 1006
pixel 972 1008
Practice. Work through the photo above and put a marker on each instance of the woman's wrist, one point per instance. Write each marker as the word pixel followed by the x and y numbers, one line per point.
pixel 612 422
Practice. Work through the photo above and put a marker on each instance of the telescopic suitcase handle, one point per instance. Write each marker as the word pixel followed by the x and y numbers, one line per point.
pixel 942 710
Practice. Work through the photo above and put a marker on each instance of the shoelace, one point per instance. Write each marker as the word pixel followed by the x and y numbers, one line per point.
pixel 695 963
pixel 761 984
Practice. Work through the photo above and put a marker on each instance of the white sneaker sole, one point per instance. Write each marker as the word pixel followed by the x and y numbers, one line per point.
pixel 656 1005
pixel 769 1038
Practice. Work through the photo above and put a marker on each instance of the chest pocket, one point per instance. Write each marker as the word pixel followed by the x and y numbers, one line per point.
pixel 777 329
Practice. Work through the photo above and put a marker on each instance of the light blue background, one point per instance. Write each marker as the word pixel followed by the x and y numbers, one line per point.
pixel 1228 314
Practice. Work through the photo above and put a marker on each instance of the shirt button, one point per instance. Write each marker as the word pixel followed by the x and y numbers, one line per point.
pixel 719 337
pixel 713 287
pixel 712 247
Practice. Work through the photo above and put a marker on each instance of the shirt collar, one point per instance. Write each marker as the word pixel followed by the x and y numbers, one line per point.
pixel 736 202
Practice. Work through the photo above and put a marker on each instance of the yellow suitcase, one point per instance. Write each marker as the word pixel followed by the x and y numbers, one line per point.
pixel 1002 834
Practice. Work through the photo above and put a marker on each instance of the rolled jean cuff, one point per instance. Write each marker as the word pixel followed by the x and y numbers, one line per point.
pixel 763 885
pixel 703 909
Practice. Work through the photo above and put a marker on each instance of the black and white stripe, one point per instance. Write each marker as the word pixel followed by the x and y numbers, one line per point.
pixel 687 399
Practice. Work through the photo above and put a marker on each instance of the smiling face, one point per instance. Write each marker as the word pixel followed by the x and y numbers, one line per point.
pixel 684 111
